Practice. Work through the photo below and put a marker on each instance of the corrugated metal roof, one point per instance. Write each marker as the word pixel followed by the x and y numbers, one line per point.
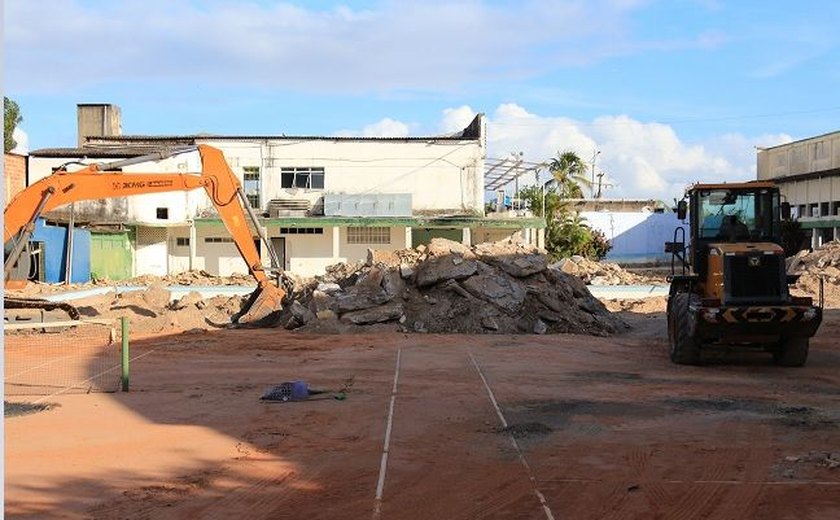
pixel 179 138
pixel 103 152
pixel 472 132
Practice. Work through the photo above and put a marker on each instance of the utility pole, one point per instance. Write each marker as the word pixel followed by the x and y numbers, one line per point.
pixel 592 186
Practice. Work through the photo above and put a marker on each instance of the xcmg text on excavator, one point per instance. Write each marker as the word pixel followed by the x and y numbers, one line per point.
pixel 104 181
pixel 729 284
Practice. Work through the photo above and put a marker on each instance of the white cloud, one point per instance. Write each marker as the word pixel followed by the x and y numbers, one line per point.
pixel 386 127
pixel 638 159
pixel 391 46
pixel 22 140
pixel 456 119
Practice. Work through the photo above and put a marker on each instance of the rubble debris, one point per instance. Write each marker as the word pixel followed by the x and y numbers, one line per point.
pixel 601 273
pixel 821 264
pixel 444 287
pixel 447 287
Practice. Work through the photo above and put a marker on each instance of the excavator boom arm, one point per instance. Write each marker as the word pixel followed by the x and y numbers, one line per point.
pixel 92 183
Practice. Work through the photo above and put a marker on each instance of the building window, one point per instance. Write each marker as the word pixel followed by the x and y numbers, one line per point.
pixel 308 178
pixel 368 235
pixel 162 213
pixel 251 178
pixel 182 241
pixel 218 240
pixel 301 231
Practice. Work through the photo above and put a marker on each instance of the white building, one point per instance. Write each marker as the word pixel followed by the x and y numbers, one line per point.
pixel 322 200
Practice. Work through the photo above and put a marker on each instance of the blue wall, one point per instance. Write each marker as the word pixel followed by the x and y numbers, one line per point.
pixel 55 247
pixel 636 237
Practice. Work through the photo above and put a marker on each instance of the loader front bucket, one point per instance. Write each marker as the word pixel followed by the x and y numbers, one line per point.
pixel 262 305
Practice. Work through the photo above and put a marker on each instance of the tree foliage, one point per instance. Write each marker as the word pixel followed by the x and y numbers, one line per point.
pixel 11 118
pixel 569 171
pixel 566 232
pixel 794 238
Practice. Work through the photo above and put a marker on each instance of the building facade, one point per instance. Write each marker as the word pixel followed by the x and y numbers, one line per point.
pixel 808 174
pixel 321 200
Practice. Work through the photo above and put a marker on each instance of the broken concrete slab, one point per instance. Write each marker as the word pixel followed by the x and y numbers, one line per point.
pixel 498 290
pixel 441 268
pixel 381 314
pixel 445 247
pixel 301 313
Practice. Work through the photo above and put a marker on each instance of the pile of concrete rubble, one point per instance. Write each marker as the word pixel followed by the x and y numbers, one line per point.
pixel 823 261
pixel 818 268
pixel 447 287
pixel 601 273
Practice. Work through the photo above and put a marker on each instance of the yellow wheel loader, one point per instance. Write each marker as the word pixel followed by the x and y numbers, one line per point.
pixel 729 284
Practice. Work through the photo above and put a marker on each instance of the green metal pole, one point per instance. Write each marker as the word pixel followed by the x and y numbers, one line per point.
pixel 125 353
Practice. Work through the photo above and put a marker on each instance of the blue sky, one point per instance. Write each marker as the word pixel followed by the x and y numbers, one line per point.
pixel 669 91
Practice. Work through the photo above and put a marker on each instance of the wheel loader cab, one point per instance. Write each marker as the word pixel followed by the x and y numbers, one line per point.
pixel 731 215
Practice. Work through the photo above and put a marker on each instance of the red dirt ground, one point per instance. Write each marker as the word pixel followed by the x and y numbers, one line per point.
pixel 608 426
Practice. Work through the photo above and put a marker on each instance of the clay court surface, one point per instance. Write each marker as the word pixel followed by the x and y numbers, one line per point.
pixel 605 428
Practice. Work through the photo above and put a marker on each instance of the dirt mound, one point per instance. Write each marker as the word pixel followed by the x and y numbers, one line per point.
pixel 194 277
pixel 152 311
pixel 447 287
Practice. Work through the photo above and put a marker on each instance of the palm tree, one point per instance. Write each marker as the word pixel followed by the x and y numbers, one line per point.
pixel 569 172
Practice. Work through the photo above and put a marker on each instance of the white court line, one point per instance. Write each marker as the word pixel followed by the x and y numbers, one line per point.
pixel 380 485
pixel 515 444
pixel 66 389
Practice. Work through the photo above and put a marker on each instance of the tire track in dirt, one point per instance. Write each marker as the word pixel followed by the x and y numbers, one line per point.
pixel 717 492
pixel 655 494
pixel 259 493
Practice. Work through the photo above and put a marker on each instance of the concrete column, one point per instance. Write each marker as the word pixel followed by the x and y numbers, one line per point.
pixel 836 234
pixel 193 244
pixel 466 236
pixel 815 238
pixel 408 237
pixel 541 238
pixel 336 242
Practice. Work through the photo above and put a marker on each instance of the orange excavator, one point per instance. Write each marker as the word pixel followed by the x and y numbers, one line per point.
pixel 104 181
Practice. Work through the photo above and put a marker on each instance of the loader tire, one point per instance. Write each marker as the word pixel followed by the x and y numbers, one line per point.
pixel 685 345
pixel 791 352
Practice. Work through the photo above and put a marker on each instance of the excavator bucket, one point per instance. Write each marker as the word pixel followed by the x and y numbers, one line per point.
pixel 262 305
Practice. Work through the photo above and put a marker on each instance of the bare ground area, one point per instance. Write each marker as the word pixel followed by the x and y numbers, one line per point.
pixel 596 427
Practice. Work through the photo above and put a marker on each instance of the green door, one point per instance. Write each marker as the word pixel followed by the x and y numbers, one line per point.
pixel 110 255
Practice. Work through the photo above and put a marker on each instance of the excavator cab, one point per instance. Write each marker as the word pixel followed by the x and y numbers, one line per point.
pixel 103 181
